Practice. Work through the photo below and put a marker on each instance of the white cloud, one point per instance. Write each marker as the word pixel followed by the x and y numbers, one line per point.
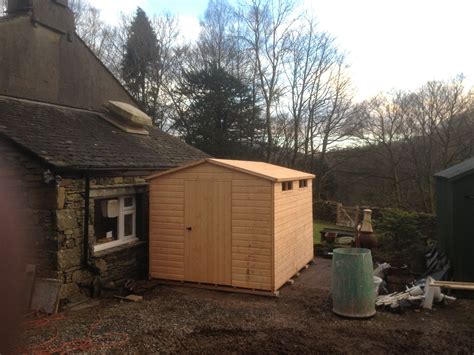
pixel 391 44
pixel 111 9
pixel 189 27
pixel 400 44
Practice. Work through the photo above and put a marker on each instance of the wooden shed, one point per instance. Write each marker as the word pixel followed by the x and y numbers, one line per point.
pixel 230 223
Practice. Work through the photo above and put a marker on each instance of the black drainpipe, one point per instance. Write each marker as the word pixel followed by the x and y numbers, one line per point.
pixel 85 259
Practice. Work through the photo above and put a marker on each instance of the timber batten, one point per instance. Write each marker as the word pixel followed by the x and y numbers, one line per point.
pixel 214 221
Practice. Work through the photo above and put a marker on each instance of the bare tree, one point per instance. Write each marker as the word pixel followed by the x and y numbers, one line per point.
pixel 269 24
pixel 319 98
pixel 337 123
pixel 166 69
pixel 304 58
pixel 217 42
pixel 383 130
pixel 437 131
pixel 104 40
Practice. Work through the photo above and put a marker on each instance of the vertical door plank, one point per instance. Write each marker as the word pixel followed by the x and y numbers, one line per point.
pixel 208 246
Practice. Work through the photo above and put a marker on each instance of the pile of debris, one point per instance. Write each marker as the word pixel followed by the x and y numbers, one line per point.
pixel 423 291
pixel 422 294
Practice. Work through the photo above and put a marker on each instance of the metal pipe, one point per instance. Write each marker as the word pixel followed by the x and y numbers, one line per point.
pixel 85 259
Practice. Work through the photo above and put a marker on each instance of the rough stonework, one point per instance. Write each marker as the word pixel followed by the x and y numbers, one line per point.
pixel 55 230
pixel 111 266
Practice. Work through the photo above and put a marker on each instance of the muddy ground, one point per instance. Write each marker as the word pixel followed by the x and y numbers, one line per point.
pixel 181 319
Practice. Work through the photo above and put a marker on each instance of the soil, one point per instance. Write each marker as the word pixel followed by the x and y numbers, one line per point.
pixel 183 319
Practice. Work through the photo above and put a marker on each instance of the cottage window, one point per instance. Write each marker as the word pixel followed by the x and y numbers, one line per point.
pixel 287 185
pixel 114 221
pixel 303 183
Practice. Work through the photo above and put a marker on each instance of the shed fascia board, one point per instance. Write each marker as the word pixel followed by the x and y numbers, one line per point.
pixel 228 164
pixel 173 170
pixel 457 171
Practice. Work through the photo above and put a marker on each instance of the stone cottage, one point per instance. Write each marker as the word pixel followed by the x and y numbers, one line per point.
pixel 79 166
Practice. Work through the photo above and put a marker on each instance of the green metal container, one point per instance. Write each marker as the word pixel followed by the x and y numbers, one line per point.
pixel 353 282
pixel 455 222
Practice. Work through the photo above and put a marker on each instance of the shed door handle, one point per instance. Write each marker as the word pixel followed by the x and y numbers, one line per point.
pixel 189 228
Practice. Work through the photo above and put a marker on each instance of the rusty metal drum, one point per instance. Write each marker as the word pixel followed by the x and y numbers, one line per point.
pixel 353 283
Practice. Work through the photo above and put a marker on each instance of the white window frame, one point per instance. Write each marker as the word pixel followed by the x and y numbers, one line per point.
pixel 123 211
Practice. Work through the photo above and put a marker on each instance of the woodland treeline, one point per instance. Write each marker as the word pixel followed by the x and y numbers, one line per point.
pixel 264 82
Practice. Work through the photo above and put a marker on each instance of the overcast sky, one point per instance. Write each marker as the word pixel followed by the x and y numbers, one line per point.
pixel 390 44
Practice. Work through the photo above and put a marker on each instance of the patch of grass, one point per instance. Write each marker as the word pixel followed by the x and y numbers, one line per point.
pixel 319 225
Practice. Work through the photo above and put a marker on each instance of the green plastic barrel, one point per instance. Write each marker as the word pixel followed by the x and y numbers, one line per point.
pixel 353 283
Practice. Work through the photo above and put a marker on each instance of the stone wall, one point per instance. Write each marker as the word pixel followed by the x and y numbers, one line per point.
pixel 110 267
pixel 54 220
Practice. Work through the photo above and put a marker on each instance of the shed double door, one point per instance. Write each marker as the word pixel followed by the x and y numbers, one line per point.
pixel 208 234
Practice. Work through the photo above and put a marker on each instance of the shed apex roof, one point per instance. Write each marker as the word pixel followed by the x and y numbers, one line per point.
pixel 457 171
pixel 256 168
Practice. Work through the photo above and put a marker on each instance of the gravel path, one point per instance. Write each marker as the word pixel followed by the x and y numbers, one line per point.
pixel 182 319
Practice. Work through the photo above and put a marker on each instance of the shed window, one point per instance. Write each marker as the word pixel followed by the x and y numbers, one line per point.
pixel 287 185
pixel 114 221
pixel 303 183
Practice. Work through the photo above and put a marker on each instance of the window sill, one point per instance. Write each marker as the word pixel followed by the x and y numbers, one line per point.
pixel 112 247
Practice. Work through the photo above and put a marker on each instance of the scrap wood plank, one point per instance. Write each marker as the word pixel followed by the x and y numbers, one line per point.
pixel 131 298
pixel 453 285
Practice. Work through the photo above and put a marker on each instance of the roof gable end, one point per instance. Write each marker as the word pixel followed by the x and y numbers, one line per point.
pixel 259 169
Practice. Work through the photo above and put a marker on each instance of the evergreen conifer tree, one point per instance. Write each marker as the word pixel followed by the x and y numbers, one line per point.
pixel 221 118
pixel 141 50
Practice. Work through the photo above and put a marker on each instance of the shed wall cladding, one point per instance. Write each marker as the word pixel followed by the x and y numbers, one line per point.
pixel 261 249
pixel 293 225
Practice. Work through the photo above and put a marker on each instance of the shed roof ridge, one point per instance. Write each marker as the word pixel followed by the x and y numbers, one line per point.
pixel 227 163
pixel 238 164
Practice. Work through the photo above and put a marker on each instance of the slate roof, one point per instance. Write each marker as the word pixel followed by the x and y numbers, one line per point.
pixel 457 171
pixel 77 139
